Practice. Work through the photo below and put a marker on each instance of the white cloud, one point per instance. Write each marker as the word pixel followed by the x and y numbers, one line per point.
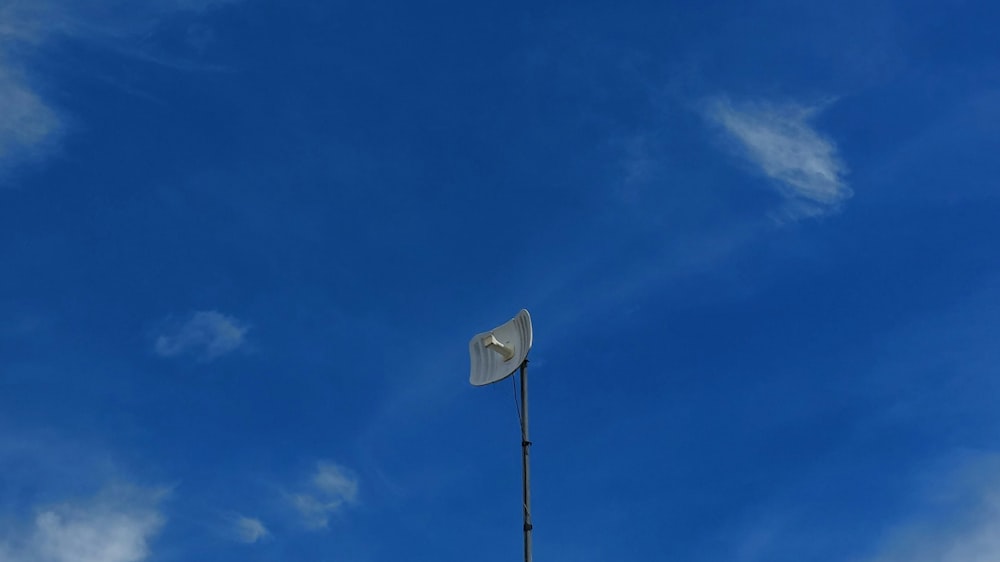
pixel 962 521
pixel 330 489
pixel 780 140
pixel 117 526
pixel 336 481
pixel 38 20
pixel 29 125
pixel 249 530
pixel 206 334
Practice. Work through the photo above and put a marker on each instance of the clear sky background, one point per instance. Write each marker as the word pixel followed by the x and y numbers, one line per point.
pixel 244 245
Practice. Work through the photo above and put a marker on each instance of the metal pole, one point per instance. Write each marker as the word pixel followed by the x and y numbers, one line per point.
pixel 525 445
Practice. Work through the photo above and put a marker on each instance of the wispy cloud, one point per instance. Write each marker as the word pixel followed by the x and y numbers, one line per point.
pixel 206 335
pixel 962 524
pixel 248 529
pixel 117 526
pixel 330 489
pixel 781 141
pixel 29 125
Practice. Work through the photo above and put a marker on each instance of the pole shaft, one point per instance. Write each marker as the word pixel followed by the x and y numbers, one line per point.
pixel 525 465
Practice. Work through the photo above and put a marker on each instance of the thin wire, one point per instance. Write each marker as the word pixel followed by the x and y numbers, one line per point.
pixel 520 424
pixel 517 407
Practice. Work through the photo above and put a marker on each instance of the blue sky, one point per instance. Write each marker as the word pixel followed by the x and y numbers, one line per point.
pixel 245 242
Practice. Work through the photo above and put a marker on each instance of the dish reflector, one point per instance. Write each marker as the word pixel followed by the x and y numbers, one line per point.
pixel 498 353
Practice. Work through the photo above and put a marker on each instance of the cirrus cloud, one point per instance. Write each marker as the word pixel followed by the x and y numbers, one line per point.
pixel 116 526
pixel 248 529
pixel 960 523
pixel 331 488
pixel 30 125
pixel 205 334
pixel 780 140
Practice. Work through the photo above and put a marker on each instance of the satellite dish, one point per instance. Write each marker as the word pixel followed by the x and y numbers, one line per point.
pixel 498 353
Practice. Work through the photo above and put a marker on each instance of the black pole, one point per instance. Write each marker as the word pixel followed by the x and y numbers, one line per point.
pixel 525 445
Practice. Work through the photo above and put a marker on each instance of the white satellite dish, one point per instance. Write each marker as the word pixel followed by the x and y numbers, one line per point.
pixel 498 353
